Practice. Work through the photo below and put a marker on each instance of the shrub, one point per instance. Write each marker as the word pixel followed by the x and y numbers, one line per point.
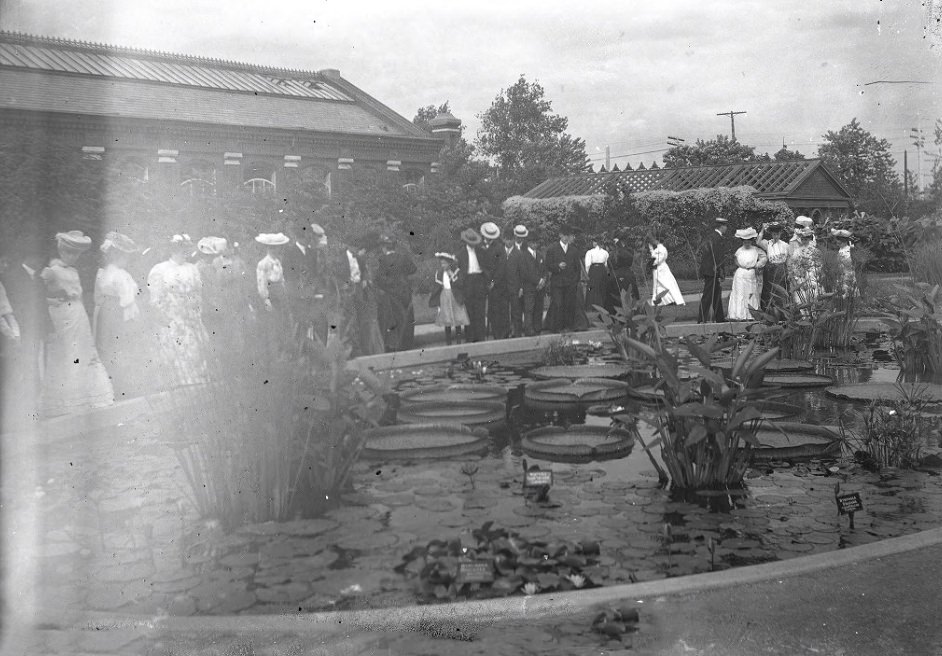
pixel 910 314
pixel 926 262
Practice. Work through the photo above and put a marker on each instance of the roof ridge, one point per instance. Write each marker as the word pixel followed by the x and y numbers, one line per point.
pixel 34 39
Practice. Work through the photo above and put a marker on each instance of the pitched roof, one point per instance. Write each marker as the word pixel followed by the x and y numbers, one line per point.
pixel 776 179
pixel 58 75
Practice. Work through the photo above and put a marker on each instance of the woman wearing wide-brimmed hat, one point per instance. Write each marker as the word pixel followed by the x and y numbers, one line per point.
pixel 848 282
pixel 75 378
pixel 804 268
pixel 745 294
pixel 176 296
pixel 117 323
pixel 662 278
pixel 272 290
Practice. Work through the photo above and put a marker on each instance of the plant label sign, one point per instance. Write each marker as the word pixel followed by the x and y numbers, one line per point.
pixel 475 570
pixel 849 503
pixel 538 478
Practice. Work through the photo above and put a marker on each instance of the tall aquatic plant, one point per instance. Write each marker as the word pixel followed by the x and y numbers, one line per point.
pixel 796 323
pixel 640 320
pixel 707 430
pixel 274 435
pixel 911 314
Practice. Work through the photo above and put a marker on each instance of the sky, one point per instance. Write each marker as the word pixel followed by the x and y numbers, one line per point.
pixel 626 74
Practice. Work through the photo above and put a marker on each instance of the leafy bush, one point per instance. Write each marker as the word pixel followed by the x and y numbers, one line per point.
pixel 515 565
pixel 926 262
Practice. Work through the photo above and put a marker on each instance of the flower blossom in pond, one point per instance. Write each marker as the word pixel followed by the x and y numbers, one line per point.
pixel 577 580
pixel 530 589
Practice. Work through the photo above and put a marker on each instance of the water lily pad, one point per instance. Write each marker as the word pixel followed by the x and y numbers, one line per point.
pixel 456 393
pixel 887 392
pixel 486 414
pixel 577 443
pixel 775 366
pixel 423 441
pixel 562 392
pixel 582 371
pixel 797 380
pixel 791 441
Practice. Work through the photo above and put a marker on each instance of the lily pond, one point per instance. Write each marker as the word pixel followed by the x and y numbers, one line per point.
pixel 593 523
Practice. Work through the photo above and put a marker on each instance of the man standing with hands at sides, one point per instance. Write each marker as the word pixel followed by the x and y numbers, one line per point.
pixel 526 282
pixel 563 262
pixel 495 266
pixel 712 260
pixel 475 283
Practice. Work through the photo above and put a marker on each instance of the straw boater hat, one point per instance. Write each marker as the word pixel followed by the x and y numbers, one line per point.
pixel 489 230
pixel 804 221
pixel 272 239
pixel 75 240
pixel 212 245
pixel 470 237
pixel 118 242
pixel 317 230
pixel 521 231
pixel 746 233
pixel 720 220
pixel 446 256
pixel 843 234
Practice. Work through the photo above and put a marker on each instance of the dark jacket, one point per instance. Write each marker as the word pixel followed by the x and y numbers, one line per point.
pixel 462 256
pixel 713 256
pixel 28 299
pixel 392 275
pixel 524 270
pixel 568 276
pixel 500 273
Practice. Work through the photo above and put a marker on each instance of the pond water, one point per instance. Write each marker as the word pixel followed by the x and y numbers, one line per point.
pixel 120 535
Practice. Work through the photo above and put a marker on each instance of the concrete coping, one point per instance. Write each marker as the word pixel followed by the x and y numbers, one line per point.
pixel 494 611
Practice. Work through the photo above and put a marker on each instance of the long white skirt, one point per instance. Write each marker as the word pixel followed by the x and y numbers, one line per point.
pixel 663 280
pixel 744 295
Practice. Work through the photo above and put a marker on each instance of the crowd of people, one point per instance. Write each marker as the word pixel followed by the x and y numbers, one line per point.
pixel 203 299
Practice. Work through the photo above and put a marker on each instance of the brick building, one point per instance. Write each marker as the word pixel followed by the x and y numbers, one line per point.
pixel 204 124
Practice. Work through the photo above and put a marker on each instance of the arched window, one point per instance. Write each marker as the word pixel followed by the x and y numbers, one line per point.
pixel 817 216
pixel 259 178
pixel 413 180
pixel 198 177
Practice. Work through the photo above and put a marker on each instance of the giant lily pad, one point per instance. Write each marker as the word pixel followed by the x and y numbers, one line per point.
pixel 456 393
pixel 423 441
pixel 561 392
pixel 778 409
pixel 574 371
pixel 485 414
pixel 887 392
pixel 577 443
pixel 791 441
pixel 798 380
pixel 647 393
pixel 775 366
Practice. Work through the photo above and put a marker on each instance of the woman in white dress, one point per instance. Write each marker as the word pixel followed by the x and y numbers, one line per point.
pixel 662 280
pixel 847 286
pixel 745 294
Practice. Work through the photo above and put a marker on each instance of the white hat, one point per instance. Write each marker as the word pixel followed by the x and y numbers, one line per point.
pixel 117 241
pixel 746 233
pixel 720 219
pixel 446 256
pixel 75 239
pixel 317 230
pixel 805 221
pixel 844 234
pixel 521 231
pixel 272 239
pixel 489 230
pixel 212 245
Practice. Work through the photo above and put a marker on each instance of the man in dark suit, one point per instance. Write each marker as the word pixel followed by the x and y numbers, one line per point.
pixel 526 282
pixel 392 276
pixel 712 270
pixel 495 266
pixel 471 261
pixel 563 262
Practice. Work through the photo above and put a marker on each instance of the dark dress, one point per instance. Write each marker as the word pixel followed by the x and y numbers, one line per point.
pixel 626 285
pixel 397 315
pixel 564 308
pixel 475 292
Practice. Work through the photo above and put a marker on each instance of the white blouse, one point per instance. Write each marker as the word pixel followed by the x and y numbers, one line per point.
pixel 597 255
pixel 268 271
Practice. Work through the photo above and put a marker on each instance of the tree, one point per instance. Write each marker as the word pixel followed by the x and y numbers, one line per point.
pixel 866 166
pixel 786 154
pixel 526 141
pixel 721 150
pixel 424 115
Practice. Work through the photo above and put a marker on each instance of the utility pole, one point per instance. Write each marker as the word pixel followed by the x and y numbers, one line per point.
pixel 608 158
pixel 732 121
pixel 919 141
pixel 905 180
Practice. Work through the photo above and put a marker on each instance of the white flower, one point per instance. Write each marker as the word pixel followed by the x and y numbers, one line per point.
pixel 577 580
pixel 530 589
